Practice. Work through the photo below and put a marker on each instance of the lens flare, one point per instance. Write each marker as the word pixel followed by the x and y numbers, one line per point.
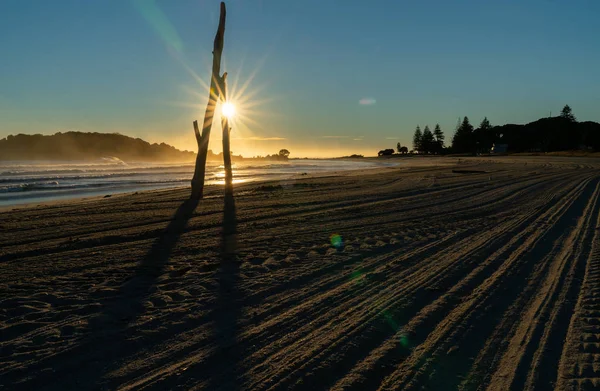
pixel 336 241
pixel 161 24
pixel 404 341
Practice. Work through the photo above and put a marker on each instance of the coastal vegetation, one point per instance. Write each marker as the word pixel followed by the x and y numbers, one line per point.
pixel 550 134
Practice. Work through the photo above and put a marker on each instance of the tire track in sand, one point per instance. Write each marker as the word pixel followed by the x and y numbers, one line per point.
pixel 440 353
pixel 419 280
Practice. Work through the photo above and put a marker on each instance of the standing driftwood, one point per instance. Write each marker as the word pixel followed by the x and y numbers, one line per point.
pixel 216 81
pixel 226 139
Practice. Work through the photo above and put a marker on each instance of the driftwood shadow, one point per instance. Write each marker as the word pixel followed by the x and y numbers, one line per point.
pixel 108 338
pixel 127 304
pixel 227 373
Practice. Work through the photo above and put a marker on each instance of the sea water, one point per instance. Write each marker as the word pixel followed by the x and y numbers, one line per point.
pixel 29 181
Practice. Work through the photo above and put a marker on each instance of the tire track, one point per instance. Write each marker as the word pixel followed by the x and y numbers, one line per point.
pixel 384 359
pixel 539 320
pixel 418 282
pixel 578 366
pixel 519 262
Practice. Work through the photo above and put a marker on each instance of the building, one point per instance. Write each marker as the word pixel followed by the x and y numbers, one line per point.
pixel 499 148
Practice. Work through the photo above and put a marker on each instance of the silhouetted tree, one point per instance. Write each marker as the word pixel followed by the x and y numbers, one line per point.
pixel 385 152
pixel 485 124
pixel 549 134
pixel 417 139
pixel 484 136
pixel 567 113
pixel 463 140
pixel 284 153
pixel 439 138
pixel 399 147
pixel 427 140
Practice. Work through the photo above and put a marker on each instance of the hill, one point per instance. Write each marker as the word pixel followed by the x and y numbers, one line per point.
pixel 548 135
pixel 88 146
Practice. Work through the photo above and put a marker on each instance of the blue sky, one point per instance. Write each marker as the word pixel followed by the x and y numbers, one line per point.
pixel 132 67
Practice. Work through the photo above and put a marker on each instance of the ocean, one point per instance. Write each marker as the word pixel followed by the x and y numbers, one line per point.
pixel 38 181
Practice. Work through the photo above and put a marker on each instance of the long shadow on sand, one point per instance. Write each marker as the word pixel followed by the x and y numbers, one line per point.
pixel 108 340
pixel 128 305
pixel 227 374
pixel 222 369
pixel 131 294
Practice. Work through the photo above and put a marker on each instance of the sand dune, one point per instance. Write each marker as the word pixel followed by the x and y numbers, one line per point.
pixel 481 275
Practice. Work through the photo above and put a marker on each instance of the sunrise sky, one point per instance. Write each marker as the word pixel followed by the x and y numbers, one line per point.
pixel 319 77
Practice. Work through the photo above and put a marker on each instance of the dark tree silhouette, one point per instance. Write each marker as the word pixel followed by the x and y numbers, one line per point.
pixel 567 114
pixel 399 147
pixel 463 139
pixel 439 137
pixel 385 152
pixel 427 140
pixel 550 134
pixel 484 136
pixel 284 153
pixel 417 139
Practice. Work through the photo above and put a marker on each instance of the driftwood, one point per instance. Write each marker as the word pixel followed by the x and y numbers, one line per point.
pixel 216 83
pixel 226 139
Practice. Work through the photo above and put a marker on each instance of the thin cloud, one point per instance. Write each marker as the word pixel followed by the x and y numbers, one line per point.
pixel 391 138
pixel 334 136
pixel 367 101
pixel 255 138
pixel 358 139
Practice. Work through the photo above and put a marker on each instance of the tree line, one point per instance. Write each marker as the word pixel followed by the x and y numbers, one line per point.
pixel 550 134
pixel 93 146
pixel 87 146
pixel 427 141
pixel 283 154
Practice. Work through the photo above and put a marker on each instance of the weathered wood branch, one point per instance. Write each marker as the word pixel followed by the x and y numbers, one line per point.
pixel 226 138
pixel 198 135
pixel 215 90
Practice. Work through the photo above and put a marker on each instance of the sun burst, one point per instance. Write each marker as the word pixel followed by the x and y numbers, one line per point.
pixel 246 101
pixel 245 107
pixel 228 110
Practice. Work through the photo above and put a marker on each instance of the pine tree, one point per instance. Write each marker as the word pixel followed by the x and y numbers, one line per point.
pixel 417 139
pixel 427 140
pixel 463 140
pixel 567 113
pixel 399 147
pixel 485 125
pixel 439 138
pixel 484 136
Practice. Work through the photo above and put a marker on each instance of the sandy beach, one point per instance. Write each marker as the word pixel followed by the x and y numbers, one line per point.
pixel 478 274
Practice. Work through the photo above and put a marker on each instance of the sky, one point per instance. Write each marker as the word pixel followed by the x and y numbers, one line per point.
pixel 318 77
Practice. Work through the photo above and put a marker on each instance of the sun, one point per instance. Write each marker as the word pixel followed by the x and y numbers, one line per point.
pixel 228 109
pixel 241 104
